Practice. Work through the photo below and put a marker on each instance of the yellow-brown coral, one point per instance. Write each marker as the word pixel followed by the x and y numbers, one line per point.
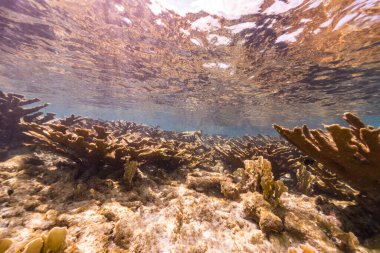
pixel 5 244
pixel 258 176
pixel 353 154
pixel 94 147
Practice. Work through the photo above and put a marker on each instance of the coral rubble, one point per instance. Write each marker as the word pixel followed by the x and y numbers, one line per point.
pixel 352 154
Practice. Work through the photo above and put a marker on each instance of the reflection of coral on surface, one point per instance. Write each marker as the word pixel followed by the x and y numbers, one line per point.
pixel 353 154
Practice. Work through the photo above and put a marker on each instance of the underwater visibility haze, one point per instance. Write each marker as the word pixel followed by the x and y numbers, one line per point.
pixel 228 67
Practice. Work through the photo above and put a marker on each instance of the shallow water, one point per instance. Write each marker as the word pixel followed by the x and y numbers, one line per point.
pixel 233 67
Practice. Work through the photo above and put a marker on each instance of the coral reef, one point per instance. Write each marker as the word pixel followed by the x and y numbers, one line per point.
pixel 122 187
pixel 12 111
pixel 93 148
pixel 71 120
pixel 154 216
pixel 352 154
pixel 99 147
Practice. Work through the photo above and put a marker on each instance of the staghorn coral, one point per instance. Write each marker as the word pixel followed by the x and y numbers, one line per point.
pixel 90 148
pixel 98 147
pixel 71 120
pixel 12 111
pixel 352 154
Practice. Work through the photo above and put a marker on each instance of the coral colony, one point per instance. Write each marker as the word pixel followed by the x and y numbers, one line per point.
pixel 114 174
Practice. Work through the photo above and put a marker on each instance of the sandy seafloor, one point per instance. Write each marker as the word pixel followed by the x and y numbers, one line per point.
pixel 159 214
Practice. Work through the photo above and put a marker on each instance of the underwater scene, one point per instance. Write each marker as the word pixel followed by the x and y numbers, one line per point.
pixel 189 126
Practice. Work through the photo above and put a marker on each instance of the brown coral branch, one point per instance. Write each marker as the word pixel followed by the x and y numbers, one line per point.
pixel 353 154
pixel 12 111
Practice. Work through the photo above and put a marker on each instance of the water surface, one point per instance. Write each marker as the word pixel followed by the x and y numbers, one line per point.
pixel 230 67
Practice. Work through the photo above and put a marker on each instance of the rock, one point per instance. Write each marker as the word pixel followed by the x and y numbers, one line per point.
pixel 229 189
pixel 203 181
pixel 123 234
pixel 269 222
pixel 9 212
pixel 294 225
pixel 253 205
pixel 258 209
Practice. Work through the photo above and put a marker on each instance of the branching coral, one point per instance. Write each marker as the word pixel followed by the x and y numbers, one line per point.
pixel 235 151
pixel 168 153
pixel 12 111
pixel 352 154
pixel 71 120
pixel 91 148
pixel 98 147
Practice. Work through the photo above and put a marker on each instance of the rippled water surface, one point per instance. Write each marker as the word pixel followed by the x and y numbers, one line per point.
pixel 231 67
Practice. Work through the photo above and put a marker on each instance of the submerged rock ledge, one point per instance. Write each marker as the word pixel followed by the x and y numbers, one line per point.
pixel 123 187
